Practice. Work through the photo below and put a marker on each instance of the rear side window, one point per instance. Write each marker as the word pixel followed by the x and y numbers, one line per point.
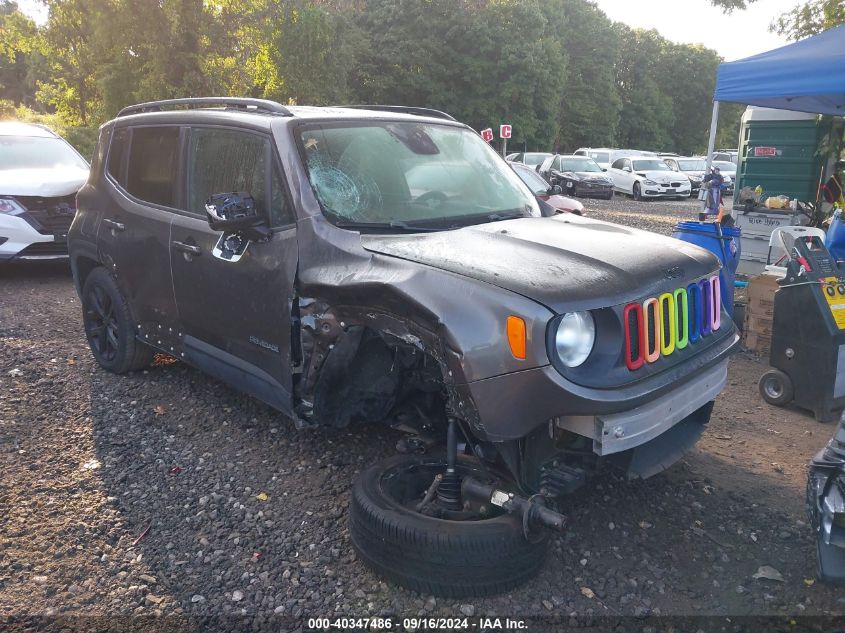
pixel 153 162
pixel 230 160
pixel 117 155
pixel 619 163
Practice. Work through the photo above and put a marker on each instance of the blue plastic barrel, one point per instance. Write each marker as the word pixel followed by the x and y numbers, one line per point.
pixel 835 239
pixel 724 243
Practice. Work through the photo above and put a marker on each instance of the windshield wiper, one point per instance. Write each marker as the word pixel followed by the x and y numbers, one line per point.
pixel 393 224
pixel 495 217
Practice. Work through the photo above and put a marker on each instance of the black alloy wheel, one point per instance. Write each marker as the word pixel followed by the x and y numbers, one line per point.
pixel 475 549
pixel 101 323
pixel 636 192
pixel 109 325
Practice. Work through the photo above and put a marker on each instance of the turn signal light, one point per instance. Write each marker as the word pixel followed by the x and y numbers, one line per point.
pixel 516 336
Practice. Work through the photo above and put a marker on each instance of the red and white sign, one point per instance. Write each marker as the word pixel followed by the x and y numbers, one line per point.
pixel 487 134
pixel 505 131
pixel 765 151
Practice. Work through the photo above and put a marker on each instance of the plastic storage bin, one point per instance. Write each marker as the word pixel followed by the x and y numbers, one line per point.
pixel 724 243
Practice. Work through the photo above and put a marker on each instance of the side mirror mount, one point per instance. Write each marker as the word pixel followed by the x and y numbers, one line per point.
pixel 546 210
pixel 604 168
pixel 626 168
pixel 234 212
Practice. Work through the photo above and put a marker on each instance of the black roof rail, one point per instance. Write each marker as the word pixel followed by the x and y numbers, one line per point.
pixel 239 103
pixel 430 112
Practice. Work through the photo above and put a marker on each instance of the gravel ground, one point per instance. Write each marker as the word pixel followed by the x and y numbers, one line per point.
pixel 167 493
pixel 659 216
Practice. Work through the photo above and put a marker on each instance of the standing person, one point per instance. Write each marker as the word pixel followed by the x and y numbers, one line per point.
pixel 714 181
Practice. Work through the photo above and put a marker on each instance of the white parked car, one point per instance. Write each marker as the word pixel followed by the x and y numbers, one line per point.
pixel 40 174
pixel 692 167
pixel 532 159
pixel 644 177
pixel 601 155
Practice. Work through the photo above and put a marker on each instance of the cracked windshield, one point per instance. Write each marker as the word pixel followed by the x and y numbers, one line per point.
pixel 408 172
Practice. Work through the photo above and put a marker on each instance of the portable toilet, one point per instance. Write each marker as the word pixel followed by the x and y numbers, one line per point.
pixel 779 150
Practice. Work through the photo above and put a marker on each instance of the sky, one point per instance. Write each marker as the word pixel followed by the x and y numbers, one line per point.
pixel 734 35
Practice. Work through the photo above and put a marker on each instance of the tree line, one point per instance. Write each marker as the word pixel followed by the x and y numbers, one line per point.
pixel 561 72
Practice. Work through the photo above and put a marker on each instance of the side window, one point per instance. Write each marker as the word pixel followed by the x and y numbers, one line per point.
pixel 231 160
pixel 580 152
pixel 117 155
pixel 153 162
pixel 280 211
pixel 619 163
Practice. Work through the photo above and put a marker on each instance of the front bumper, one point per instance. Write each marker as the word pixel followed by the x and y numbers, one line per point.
pixel 512 405
pixel 21 240
pixel 617 432
pixel 591 190
pixel 658 191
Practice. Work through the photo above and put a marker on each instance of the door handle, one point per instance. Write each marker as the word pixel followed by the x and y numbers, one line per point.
pixel 186 248
pixel 113 225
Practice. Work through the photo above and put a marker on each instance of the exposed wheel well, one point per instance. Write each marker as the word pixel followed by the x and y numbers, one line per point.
pixel 82 267
pixel 369 376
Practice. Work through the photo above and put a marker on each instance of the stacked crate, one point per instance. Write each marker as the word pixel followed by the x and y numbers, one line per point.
pixel 760 312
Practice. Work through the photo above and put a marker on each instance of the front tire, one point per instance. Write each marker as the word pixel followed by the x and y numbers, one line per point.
pixel 430 555
pixel 109 326
pixel 636 192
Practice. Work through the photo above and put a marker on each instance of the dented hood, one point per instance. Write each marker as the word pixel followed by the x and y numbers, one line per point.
pixel 47 183
pixel 565 263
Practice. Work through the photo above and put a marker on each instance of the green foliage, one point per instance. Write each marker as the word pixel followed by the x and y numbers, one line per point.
pixel 810 18
pixel 17 59
pixel 806 19
pixel 591 105
pixel 485 63
pixel 559 71
pixel 730 118
pixel 648 112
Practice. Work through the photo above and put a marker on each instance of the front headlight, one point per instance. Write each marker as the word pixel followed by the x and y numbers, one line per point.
pixel 649 182
pixel 574 338
pixel 10 206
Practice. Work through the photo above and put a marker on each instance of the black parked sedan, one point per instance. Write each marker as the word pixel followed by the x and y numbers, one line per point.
pixel 577 176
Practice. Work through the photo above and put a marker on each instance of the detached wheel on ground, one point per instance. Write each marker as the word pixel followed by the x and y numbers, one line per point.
pixel 109 326
pixel 776 387
pixel 458 554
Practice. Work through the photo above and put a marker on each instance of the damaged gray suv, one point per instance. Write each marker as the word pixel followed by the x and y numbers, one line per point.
pixel 383 265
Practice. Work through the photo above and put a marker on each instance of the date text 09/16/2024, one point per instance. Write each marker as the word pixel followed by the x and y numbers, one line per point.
pixel 417 624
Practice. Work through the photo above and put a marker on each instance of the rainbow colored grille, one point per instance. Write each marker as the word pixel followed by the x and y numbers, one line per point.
pixel 660 325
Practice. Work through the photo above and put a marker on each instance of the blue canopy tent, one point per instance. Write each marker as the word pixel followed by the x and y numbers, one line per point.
pixel 807 76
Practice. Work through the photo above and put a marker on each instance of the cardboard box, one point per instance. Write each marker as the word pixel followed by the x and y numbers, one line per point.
pixel 759 312
pixel 757 343
pixel 763 286
pixel 759 325
pixel 761 307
